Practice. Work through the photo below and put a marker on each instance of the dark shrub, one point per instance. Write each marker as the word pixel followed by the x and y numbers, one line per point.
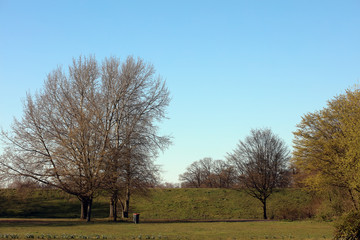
pixel 348 226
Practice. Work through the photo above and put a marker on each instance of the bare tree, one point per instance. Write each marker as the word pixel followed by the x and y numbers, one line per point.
pixel 261 161
pixel 207 172
pixel 57 142
pixel 193 176
pixel 224 174
pixel 140 102
pixel 72 132
pixel 139 174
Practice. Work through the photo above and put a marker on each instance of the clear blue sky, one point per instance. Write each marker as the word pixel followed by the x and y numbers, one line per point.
pixel 230 65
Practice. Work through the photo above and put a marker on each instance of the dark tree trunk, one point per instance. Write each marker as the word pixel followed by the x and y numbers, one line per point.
pixel 264 208
pixel 84 208
pixel 125 214
pixel 115 211
pixel 89 208
pixel 113 208
pixel 126 208
pixel 125 205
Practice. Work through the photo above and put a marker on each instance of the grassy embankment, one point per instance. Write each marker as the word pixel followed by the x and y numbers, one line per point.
pixel 161 204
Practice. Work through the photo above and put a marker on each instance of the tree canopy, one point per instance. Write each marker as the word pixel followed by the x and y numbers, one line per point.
pixel 327 145
pixel 261 162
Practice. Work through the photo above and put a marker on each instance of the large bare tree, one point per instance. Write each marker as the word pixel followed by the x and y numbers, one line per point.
pixel 82 122
pixel 261 161
pixel 135 141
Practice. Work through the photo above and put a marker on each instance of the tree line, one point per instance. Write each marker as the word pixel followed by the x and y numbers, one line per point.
pixel 209 173
pixel 94 127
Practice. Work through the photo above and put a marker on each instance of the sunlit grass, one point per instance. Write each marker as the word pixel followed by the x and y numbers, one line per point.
pixel 199 230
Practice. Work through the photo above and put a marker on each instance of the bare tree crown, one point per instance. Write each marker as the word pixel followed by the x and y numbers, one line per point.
pixel 261 161
pixel 89 124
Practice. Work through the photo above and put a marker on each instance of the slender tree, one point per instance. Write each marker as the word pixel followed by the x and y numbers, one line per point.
pixel 140 102
pixel 261 161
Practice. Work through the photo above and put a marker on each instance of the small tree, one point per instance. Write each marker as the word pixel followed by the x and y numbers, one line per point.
pixel 261 161
pixel 193 176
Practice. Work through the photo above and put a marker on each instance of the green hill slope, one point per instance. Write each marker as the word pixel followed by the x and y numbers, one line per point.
pixel 221 204
pixel 161 204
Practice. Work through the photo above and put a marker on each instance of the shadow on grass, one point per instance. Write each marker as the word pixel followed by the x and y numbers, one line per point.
pixel 44 204
pixel 200 220
pixel 4 222
pixel 55 221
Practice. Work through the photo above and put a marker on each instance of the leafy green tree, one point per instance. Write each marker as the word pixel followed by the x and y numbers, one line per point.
pixel 327 145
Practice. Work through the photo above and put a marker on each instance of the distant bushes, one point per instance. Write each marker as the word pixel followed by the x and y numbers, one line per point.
pixel 293 204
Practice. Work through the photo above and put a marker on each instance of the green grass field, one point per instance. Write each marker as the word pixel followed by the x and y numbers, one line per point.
pixel 46 229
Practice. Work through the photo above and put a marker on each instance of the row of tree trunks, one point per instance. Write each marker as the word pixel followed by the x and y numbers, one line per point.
pixel 124 204
pixel 86 207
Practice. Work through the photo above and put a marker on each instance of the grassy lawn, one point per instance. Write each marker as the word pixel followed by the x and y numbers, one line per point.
pixel 67 229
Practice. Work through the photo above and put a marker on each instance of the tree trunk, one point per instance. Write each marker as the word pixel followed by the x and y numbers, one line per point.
pixel 89 208
pixel 126 209
pixel 113 208
pixel 125 205
pixel 84 208
pixel 111 213
pixel 115 211
pixel 264 208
